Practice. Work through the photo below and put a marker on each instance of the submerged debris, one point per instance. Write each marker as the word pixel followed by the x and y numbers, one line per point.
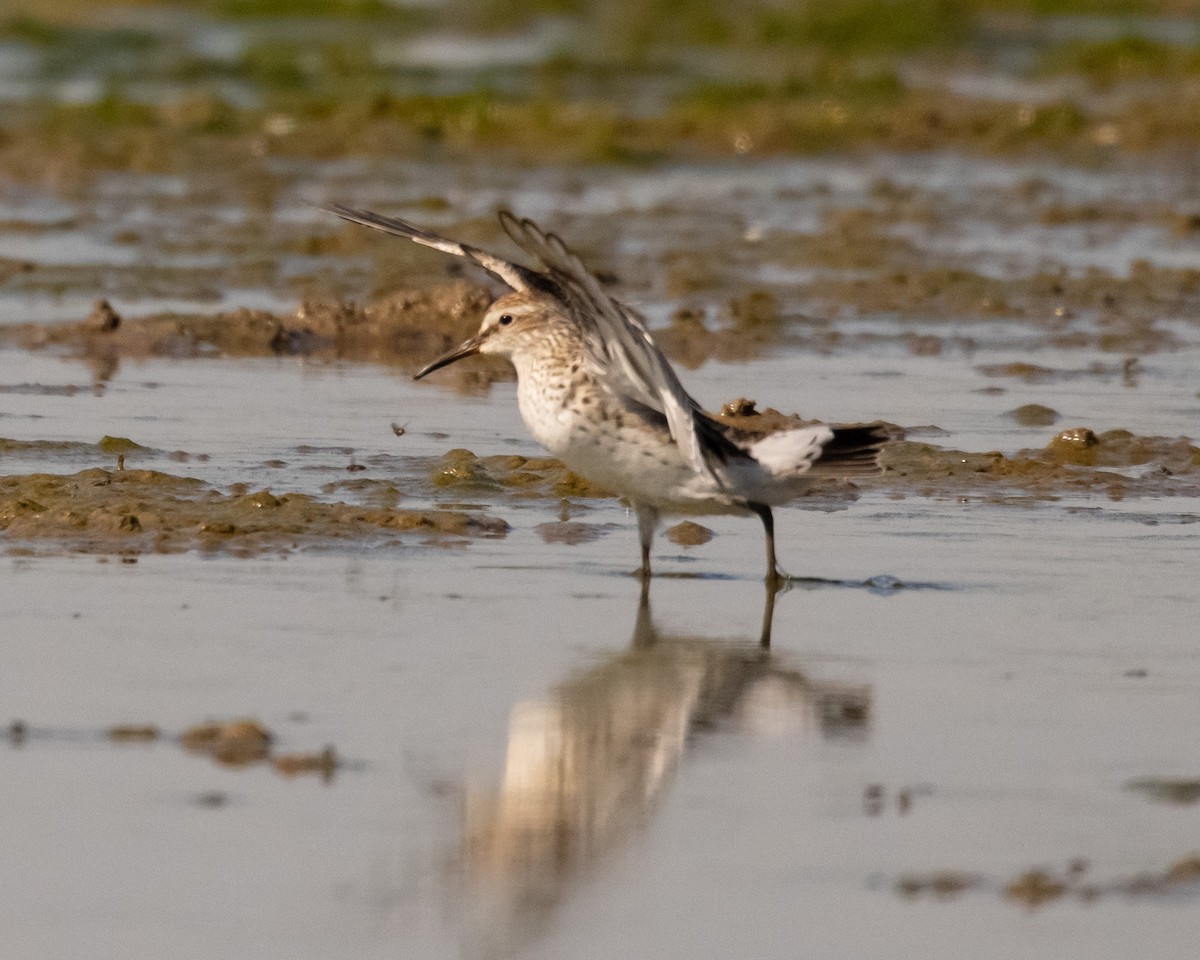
pixel 1179 791
pixel 134 733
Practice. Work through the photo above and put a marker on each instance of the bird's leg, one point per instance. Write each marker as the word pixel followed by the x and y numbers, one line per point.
pixel 647 518
pixel 764 638
pixel 775 576
pixel 644 634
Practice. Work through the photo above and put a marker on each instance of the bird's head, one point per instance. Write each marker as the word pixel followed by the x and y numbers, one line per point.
pixel 510 324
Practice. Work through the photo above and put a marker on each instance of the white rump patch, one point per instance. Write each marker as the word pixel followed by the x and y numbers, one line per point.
pixel 791 452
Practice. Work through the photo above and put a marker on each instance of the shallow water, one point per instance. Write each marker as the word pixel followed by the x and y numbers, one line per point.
pixel 526 771
pixel 701 800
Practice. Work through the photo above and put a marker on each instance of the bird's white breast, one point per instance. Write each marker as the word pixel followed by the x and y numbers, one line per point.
pixel 588 430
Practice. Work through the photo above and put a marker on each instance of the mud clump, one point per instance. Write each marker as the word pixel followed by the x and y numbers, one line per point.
pixel 233 744
pixel 1121 448
pixel 408 327
pixel 745 416
pixel 689 534
pixel 1034 888
pixel 570 532
pixel 941 884
pixel 1034 415
pixel 1071 462
pixel 324 763
pixel 524 477
pixel 131 512
pixel 1077 445
pixel 240 743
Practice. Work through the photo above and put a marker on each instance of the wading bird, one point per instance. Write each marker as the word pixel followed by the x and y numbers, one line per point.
pixel 596 392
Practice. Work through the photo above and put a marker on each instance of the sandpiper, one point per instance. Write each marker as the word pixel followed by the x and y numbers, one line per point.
pixel 596 392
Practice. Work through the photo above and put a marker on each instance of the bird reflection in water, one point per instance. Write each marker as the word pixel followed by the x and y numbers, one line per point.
pixel 586 766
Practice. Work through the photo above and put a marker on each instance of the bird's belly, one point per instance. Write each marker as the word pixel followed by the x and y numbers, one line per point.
pixel 629 461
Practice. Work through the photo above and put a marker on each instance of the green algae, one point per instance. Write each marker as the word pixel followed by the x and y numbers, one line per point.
pixel 810 79
pixel 1132 57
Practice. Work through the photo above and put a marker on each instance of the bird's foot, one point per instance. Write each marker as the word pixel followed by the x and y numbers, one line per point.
pixel 779 580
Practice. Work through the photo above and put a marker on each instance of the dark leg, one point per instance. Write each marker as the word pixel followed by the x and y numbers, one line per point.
pixel 774 575
pixel 647 524
pixel 644 634
pixel 764 639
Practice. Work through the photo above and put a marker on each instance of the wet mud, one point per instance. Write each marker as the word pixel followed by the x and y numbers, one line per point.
pixel 138 510
pixel 130 512
pixel 133 511
pixel 233 744
pixel 1041 887
pixel 405 328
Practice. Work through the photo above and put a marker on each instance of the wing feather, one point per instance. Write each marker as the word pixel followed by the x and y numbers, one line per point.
pixel 614 334
pixel 518 277
pixel 621 345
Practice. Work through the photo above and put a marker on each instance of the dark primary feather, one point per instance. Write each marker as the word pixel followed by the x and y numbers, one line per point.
pixel 853 452
pixel 518 277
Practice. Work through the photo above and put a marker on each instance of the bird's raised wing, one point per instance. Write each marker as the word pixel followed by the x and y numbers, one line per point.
pixel 615 335
pixel 518 277
pixel 622 347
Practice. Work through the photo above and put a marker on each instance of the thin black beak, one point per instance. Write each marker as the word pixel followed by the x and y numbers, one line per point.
pixel 467 348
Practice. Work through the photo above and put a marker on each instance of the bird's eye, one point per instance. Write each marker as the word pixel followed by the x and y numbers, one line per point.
pixel 505 319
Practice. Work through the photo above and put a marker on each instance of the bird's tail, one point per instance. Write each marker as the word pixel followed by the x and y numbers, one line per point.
pixel 822 451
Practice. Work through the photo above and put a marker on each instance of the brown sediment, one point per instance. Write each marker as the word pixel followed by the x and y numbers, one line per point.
pixel 930 470
pixel 523 477
pixel 1034 888
pixel 689 534
pixel 941 884
pixel 1041 886
pixel 133 733
pixel 324 763
pixel 1120 448
pixel 570 532
pixel 858 267
pixel 131 512
pixel 1067 464
pixel 1033 415
pixel 408 327
pixel 235 743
